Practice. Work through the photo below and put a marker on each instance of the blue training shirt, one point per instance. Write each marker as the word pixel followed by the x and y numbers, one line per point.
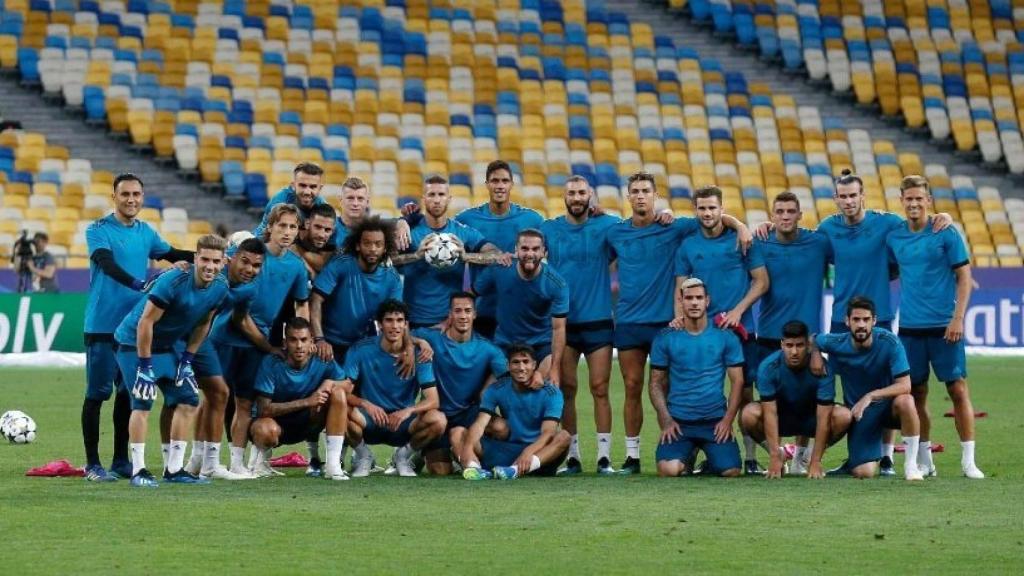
pixel 500 231
pixel 184 306
pixel 858 252
pixel 376 379
pixel 862 371
pixel 795 392
pixel 646 280
pixel 524 410
pixel 696 365
pixel 796 273
pixel 132 246
pixel 351 297
pixel 927 262
pixel 279 381
pixel 581 254
pixel 462 368
pixel 724 269
pixel 525 307
pixel 427 289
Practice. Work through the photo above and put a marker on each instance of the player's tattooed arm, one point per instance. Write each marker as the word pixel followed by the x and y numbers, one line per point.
pixel 488 254
pixel 658 389
pixel 743 236
pixel 403 259
pixel 267 409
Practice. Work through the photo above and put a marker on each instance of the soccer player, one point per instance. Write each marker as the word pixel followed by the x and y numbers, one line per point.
pixel 577 248
pixel 178 304
pixel 350 289
pixel 736 279
pixel 534 445
pixel 644 253
pixel 283 275
pixel 427 289
pixel 935 272
pixel 876 388
pixel 314 241
pixel 298 396
pixel 687 369
pixel 384 409
pixel 794 402
pixel 465 363
pixel 120 247
pixel 303 193
pixel 242 268
pixel 533 301
pixel 499 220
pixel 355 205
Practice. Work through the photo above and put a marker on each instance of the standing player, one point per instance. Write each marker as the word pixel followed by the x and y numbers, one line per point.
pixel 427 289
pixel 535 445
pixel 644 254
pixel 120 247
pixel 794 402
pixel 355 205
pixel 935 271
pixel 465 363
pixel 736 279
pixel 298 396
pixel 876 388
pixel 687 369
pixel 283 275
pixel 178 303
pixel 500 220
pixel 384 406
pixel 533 301
pixel 303 193
pixel 577 248
pixel 314 242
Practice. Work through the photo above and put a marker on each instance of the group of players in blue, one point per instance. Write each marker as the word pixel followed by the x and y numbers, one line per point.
pixel 338 326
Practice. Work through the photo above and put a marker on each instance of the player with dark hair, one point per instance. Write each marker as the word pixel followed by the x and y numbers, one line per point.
pixel 178 304
pixel 876 388
pixel 794 402
pixel 303 192
pixel 384 409
pixel 644 253
pixel 687 369
pixel 314 242
pixel 120 248
pixel 534 445
pixel 298 396
pixel 935 272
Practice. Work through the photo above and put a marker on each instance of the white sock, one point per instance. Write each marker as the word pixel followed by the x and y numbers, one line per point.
pixel 633 447
pixel 164 451
pixel 574 447
pixel 750 447
pixel 473 464
pixel 967 454
pixel 334 446
pixel 211 460
pixel 534 463
pixel 912 443
pixel 237 456
pixel 313 446
pixel 198 453
pixel 604 445
pixel 254 455
pixel 888 450
pixel 924 455
pixel 138 456
pixel 176 455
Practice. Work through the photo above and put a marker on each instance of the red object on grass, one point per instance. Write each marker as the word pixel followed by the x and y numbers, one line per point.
pixel 977 414
pixel 935 448
pixel 290 460
pixel 55 469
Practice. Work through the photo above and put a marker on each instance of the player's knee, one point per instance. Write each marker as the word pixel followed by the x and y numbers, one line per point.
pixel 215 393
pixel 670 468
pixel 905 403
pixel 497 428
pixel 562 440
pixel 599 390
pixel 730 473
pixel 750 418
pixel 841 418
pixel 265 432
pixel 866 470
pixel 186 409
pixel 339 399
pixel 958 391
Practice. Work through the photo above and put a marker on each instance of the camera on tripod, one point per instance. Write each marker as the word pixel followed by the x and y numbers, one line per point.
pixel 24 250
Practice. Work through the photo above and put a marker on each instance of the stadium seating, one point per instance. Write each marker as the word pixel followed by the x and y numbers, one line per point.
pixel 240 90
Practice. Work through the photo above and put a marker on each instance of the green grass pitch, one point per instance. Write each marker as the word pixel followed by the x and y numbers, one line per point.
pixel 586 525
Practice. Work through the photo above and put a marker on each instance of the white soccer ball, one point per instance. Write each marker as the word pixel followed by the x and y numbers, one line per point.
pixel 238 237
pixel 445 252
pixel 18 427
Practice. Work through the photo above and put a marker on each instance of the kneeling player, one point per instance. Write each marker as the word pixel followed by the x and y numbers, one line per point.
pixel 384 409
pixel 297 396
pixel 535 445
pixel 794 402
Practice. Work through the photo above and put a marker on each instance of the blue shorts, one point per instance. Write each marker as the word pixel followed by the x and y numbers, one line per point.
pixel 374 434
pixel 239 365
pixel 102 375
pixel 792 423
pixel 929 347
pixel 506 452
pixel 463 418
pixel 165 368
pixel 722 456
pixel 206 363
pixel 842 328
pixel 297 427
pixel 637 336
pixel 540 351
pixel 589 337
pixel 751 361
pixel 864 439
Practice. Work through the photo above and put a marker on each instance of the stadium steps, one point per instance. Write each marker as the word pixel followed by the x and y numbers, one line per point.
pixel 684 32
pixel 60 127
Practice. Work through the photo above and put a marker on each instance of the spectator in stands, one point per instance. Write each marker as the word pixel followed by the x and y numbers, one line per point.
pixel 43 266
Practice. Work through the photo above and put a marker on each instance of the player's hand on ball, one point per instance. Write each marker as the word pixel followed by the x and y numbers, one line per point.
pixel 186 375
pixel 814 471
pixel 723 430
pixel 145 382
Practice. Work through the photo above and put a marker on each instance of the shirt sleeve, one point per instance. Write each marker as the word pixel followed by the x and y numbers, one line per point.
pixel 892 221
pixel 733 350
pixel 827 389
pixel 264 385
pixel 553 404
pixel 300 285
pixel 766 384
pixel 898 364
pixel 686 226
pixel 157 245
pixel 351 369
pixel 825 342
pixel 499 364
pixel 682 262
pixel 754 258
pixel 395 290
pixel 560 300
pixel 425 375
pixel 472 239
pixel 96 239
pixel 335 372
pixel 489 401
pixel 327 280
pixel 484 281
pixel 162 292
pixel 956 250
pixel 660 352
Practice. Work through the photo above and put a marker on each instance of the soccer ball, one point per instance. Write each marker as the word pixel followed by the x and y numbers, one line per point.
pixel 444 252
pixel 238 237
pixel 18 427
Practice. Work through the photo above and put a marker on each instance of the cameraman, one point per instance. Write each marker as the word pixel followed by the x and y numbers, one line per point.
pixel 43 266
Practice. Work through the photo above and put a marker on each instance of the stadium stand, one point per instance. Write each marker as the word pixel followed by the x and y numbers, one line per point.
pixel 240 90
